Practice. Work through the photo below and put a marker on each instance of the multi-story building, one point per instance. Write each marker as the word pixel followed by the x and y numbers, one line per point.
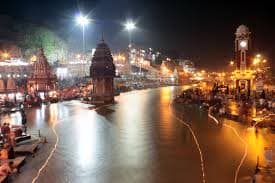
pixel 187 65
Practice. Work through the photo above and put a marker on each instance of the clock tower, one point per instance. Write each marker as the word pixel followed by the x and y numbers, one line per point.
pixel 242 48
pixel 243 74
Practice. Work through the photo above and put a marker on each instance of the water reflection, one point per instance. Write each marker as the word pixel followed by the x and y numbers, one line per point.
pixel 256 144
pixel 135 128
pixel 166 126
pixel 53 114
pixel 88 141
pixel 139 141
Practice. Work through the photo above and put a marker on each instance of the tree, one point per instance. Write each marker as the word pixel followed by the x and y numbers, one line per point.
pixel 33 37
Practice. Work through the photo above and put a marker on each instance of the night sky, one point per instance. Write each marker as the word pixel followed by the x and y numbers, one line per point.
pixel 201 31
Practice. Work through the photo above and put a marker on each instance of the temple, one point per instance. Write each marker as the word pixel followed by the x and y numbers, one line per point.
pixel 42 79
pixel 102 72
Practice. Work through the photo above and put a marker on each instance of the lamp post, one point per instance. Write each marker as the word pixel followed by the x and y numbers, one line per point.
pixel 83 21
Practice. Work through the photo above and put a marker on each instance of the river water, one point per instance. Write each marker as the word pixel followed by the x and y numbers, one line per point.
pixel 141 138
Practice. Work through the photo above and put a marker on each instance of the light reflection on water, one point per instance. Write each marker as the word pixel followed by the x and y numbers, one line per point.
pixel 133 120
pixel 256 144
pixel 137 140
pixel 53 114
pixel 88 141
pixel 167 131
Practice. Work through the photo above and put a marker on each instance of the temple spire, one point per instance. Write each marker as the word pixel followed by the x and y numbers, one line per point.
pixel 102 72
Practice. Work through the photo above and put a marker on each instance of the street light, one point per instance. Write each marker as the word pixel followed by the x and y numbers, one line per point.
pixel 130 26
pixel 83 21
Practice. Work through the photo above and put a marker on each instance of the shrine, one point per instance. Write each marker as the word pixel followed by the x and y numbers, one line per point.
pixel 102 72
pixel 42 79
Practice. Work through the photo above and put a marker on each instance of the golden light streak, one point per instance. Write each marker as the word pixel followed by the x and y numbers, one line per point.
pixel 245 151
pixel 50 155
pixel 196 141
pixel 243 141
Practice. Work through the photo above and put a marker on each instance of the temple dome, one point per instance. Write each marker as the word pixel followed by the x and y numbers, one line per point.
pixel 11 86
pixel 102 62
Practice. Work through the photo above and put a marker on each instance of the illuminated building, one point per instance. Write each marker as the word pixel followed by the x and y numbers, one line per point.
pixel 164 70
pixel 42 79
pixel 122 64
pixel 9 90
pixel 102 72
pixel 13 74
pixel 78 68
pixel 187 65
pixel 169 73
pixel 141 57
pixel 11 86
pixel 14 67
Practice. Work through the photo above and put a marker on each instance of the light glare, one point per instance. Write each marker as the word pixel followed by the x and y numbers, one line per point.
pixel 130 26
pixel 82 20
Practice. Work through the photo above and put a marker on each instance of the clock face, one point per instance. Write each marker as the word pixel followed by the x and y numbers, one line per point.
pixel 243 44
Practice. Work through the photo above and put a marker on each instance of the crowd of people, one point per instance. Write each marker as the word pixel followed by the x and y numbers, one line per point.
pixel 7 151
pixel 8 136
pixel 218 100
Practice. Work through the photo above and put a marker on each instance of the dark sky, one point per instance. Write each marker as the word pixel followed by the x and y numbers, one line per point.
pixel 199 30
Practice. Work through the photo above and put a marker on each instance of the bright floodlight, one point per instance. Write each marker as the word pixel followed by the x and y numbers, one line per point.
pixel 130 26
pixel 82 20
